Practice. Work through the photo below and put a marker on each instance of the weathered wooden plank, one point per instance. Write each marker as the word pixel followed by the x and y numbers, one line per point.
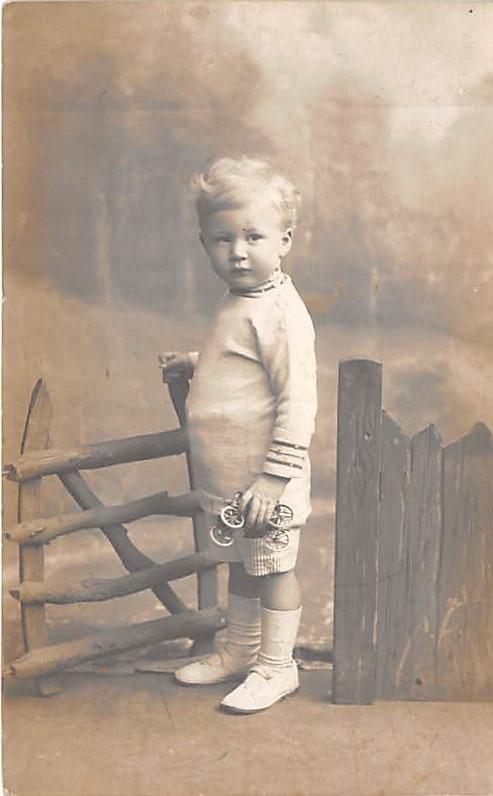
pixel 131 557
pixel 391 600
pixel 44 530
pixel 31 559
pixel 357 512
pixel 415 674
pixel 207 581
pixel 465 615
pixel 101 454
pixel 98 589
pixel 57 657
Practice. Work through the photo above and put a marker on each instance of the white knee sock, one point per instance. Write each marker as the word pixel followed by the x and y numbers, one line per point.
pixel 279 629
pixel 244 628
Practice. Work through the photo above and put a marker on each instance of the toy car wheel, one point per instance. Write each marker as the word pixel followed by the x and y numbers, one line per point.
pixel 277 540
pixel 232 517
pixel 281 517
pixel 221 536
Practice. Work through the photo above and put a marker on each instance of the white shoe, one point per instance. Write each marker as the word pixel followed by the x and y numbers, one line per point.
pixel 263 687
pixel 216 668
pixel 235 657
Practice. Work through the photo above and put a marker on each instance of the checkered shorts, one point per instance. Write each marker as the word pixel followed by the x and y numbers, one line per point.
pixel 259 556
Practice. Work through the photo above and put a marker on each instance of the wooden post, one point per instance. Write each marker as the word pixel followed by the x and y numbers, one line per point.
pixel 31 558
pixel 408 549
pixel 465 580
pixel 396 467
pixel 207 581
pixel 424 518
pixel 357 515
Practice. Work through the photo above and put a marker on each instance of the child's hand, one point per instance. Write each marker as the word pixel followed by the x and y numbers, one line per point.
pixel 259 500
pixel 175 365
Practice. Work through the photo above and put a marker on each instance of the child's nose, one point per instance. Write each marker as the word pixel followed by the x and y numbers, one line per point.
pixel 238 250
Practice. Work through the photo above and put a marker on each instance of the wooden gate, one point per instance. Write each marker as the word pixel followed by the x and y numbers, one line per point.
pixel 33 532
pixel 414 554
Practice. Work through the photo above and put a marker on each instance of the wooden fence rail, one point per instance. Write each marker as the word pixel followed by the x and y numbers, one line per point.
pixel 33 532
pixel 99 589
pixel 44 531
pixel 57 657
pixel 37 464
pixel 414 554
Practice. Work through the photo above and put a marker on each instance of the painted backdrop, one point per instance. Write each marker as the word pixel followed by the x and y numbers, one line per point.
pixel 380 112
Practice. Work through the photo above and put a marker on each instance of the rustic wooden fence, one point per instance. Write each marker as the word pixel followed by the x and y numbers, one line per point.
pixel 414 554
pixel 33 533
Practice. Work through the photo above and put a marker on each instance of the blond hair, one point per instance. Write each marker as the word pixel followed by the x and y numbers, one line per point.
pixel 226 183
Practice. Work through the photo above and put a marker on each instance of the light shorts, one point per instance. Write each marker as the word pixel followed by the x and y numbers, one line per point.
pixel 257 557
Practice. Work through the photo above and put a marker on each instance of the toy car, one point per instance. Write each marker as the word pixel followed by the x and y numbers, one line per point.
pixel 231 519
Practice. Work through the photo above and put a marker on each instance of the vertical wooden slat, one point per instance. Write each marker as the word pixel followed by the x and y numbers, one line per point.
pixel 392 541
pixel 465 602
pixel 207 589
pixel 358 463
pixel 207 581
pixel 415 675
pixel 31 557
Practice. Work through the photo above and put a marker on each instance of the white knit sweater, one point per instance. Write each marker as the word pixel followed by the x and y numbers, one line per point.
pixel 253 401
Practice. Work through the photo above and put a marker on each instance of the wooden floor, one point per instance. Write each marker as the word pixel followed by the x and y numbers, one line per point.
pixel 142 735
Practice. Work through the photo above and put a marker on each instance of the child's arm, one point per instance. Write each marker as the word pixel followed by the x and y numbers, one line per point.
pixel 287 351
pixel 178 364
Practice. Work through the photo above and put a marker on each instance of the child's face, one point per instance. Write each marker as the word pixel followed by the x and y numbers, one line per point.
pixel 246 244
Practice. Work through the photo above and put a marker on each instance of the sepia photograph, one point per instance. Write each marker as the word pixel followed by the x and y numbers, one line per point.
pixel 247 467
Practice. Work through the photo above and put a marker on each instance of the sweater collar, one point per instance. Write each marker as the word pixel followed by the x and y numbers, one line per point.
pixel 277 279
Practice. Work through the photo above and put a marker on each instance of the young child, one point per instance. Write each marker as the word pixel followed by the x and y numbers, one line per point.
pixel 251 412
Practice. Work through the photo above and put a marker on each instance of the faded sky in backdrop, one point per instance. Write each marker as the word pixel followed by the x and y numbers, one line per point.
pixel 382 113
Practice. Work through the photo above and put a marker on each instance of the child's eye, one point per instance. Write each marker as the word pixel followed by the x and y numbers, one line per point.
pixel 221 239
pixel 254 236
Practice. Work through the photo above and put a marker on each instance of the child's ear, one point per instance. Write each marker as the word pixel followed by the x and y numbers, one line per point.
pixel 287 240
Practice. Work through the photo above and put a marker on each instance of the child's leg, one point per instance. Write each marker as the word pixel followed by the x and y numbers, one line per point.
pixel 275 674
pixel 242 636
pixel 280 592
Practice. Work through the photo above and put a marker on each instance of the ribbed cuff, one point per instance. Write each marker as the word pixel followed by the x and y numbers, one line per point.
pixel 285 459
